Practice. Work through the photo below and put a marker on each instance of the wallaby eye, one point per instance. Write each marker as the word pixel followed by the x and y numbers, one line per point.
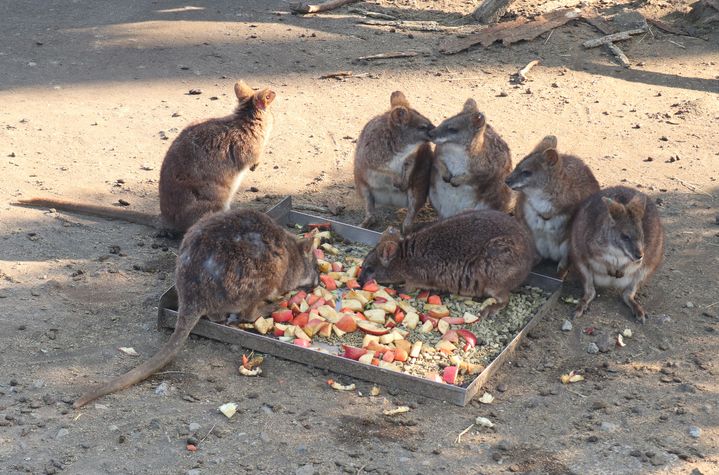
pixel 452 130
pixel 526 173
pixel 626 238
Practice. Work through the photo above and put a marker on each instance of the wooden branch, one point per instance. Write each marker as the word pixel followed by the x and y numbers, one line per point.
pixel 622 35
pixel 395 54
pixel 304 7
pixel 619 54
pixel 337 75
pixel 410 25
pixel 490 11
pixel 511 31
pixel 521 76
pixel 667 27
pixel 370 14
pixel 598 22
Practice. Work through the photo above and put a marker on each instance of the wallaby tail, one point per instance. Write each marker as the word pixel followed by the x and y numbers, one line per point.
pixel 93 210
pixel 166 354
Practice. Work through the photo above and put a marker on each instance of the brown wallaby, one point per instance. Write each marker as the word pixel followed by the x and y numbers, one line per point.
pixel 393 160
pixel 617 240
pixel 475 253
pixel 471 162
pixel 202 169
pixel 228 262
pixel 551 187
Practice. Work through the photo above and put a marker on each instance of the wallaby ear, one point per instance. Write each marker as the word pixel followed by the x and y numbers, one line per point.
pixel 397 99
pixel 637 205
pixel 550 141
pixel 478 120
pixel 616 210
pixel 264 98
pixel 242 90
pixel 387 251
pixel 399 115
pixel 470 106
pixel 306 245
pixel 551 156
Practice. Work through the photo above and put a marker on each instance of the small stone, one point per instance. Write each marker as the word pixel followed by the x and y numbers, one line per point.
pixel 567 326
pixel 501 387
pixel 592 439
pixel 496 456
pixel 592 348
pixel 605 343
pixel 696 471
pixel 37 384
pixel 635 453
pixel 195 91
pixel 62 433
pixel 514 468
pixel 597 405
pixel 254 189
pixel 504 445
pixel 664 346
pixel 265 437
pixel 122 202
pixel 162 388
pixel 308 469
pixel 502 94
pixel 192 440
pixel 194 427
pixel 694 432
pixel 689 305
pixel 252 395
pixel 608 426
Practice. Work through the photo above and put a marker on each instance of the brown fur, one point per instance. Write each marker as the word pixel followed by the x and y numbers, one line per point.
pixel 617 240
pixel 551 188
pixel 475 253
pixel 200 167
pixel 470 166
pixel 227 263
pixel 393 159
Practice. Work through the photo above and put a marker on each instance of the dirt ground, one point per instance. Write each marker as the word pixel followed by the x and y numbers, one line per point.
pixel 92 93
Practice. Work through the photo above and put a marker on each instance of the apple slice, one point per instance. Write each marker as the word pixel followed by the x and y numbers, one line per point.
pixel 469 318
pixel 443 326
pixel 282 316
pixel 388 356
pixel 439 311
pixel 406 307
pixel 302 343
pixel 301 320
pixel 400 333
pixel 337 331
pixel 336 267
pixel 372 328
pixel 452 336
pixel 416 349
pixel 352 272
pixel 319 254
pixel 382 294
pixel 298 297
pixel 300 333
pixel 401 354
pixel 389 306
pixel 411 320
pixel 445 346
pixel 403 345
pixel 387 365
pixel 330 249
pixel 323 265
pixel 278 331
pixel 358 295
pixel 371 286
pixel 313 326
pixel 388 338
pixel 264 325
pixel 454 320
pixel 469 338
pixel 329 313
pixel 352 284
pixel 347 324
pixel 399 316
pixel 353 352
pixel 434 377
pixel 375 315
pixel 326 330
pixel 366 358
pixel 390 323
pixel 449 375
pixel 426 327
pixel 368 339
pixel 377 348
pixel 328 282
pixel 423 295
pixel 434 300
pixel 352 304
pixel 312 298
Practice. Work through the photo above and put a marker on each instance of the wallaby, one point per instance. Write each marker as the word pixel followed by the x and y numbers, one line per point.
pixel 393 159
pixel 474 253
pixel 551 187
pixel 228 262
pixel 471 162
pixel 617 240
pixel 203 168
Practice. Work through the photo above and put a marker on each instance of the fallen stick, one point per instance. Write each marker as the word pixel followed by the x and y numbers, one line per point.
pixel 410 25
pixel 395 54
pixel 678 44
pixel 622 35
pixel 667 27
pixel 521 76
pixel 597 21
pixel 337 75
pixel 303 7
pixel 692 187
pixel 619 54
pixel 369 14
pixel 458 440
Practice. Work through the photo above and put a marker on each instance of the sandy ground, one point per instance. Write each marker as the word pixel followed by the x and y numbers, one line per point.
pixel 92 93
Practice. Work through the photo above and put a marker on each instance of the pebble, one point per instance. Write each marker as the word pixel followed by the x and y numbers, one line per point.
pixel 567 326
pixel 608 426
pixel 37 384
pixel 694 432
pixel 664 346
pixel 504 445
pixel 308 469
pixel 194 471
pixel 592 348
pixel 501 387
pixel 689 305
pixel 62 433
pixel 162 388
pixel 195 91
pixel 593 439
pixel 192 440
pixel 696 471
pixel 265 437
pixel 194 426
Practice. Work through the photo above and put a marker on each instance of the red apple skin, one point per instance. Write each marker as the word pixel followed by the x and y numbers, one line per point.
pixel 328 281
pixel 336 267
pixel 405 297
pixel 318 303
pixel 469 338
pixel 401 355
pixel 347 324
pixel 301 320
pixel 423 317
pixel 371 286
pixel 371 328
pixel 326 330
pixel 298 297
pixel 353 352
pixel 449 375
pixel 301 342
pixel 451 336
pixel 282 316
pixel 380 300
pixel 424 295
pixel 390 291
pixel 319 253
pixel 312 298
pixel 390 323
pixel 454 320
pixel 353 284
pixel 277 332
pixel 434 300
pixel 388 356
pixel 284 304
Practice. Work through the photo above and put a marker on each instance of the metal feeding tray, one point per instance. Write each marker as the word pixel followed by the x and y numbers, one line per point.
pixel 284 214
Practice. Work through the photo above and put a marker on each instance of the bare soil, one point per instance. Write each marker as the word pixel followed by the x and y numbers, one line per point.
pixel 92 93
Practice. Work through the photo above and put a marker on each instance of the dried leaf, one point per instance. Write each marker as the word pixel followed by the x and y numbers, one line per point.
pixel 228 409
pixel 627 333
pixel 486 398
pixel 484 422
pixel 398 410
pixel 250 372
pixel 341 387
pixel 620 340
pixel 129 351
pixel 374 391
